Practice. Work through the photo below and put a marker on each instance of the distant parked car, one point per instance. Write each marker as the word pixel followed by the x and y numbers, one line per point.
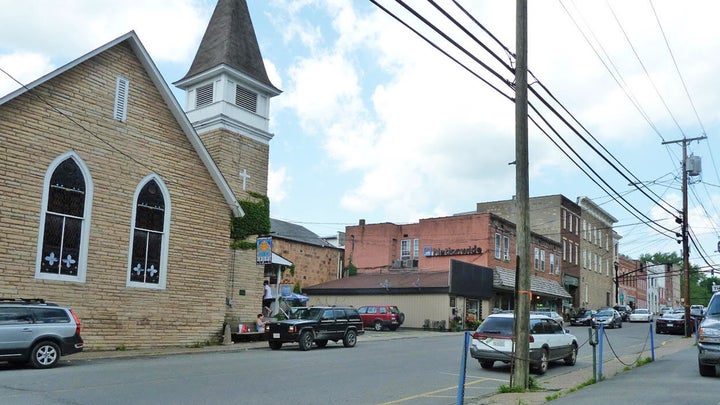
pixel 609 317
pixel 550 313
pixel 316 325
pixel 583 319
pixel 673 323
pixel 624 311
pixel 697 310
pixel 665 310
pixel 379 317
pixel 641 315
pixel 493 341
pixel 709 338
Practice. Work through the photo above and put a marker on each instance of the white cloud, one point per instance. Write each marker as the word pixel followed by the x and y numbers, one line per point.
pixel 24 67
pixel 278 182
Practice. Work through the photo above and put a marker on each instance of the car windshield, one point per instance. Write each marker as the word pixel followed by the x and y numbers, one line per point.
pixel 674 315
pixel 587 313
pixel 714 306
pixel 641 311
pixel 496 326
pixel 394 310
pixel 310 313
pixel 605 313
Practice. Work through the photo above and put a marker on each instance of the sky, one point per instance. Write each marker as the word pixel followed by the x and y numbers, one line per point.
pixel 375 123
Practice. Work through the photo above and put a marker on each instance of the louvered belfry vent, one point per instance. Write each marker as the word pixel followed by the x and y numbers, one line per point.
pixel 122 88
pixel 204 95
pixel 245 98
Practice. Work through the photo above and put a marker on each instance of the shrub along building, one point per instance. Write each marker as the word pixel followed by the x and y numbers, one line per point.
pixel 118 204
pixel 441 268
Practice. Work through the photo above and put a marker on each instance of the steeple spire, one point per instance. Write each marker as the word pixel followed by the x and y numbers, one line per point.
pixel 230 39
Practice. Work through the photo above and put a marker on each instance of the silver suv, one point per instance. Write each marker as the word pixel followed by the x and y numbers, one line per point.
pixel 709 338
pixel 37 332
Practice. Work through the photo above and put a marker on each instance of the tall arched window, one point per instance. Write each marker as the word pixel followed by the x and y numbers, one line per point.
pixel 148 250
pixel 65 220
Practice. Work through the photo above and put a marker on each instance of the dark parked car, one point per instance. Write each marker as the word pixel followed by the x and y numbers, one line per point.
pixel 584 318
pixel 709 338
pixel 381 316
pixel 624 311
pixel 37 332
pixel 318 325
pixel 609 317
pixel 673 323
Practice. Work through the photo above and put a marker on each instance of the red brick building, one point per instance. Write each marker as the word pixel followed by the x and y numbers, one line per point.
pixel 454 249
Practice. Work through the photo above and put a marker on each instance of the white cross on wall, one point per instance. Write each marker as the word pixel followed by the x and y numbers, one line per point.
pixel 244 176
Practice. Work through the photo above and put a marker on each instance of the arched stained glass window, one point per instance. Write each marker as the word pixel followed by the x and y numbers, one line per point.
pixel 65 224
pixel 148 253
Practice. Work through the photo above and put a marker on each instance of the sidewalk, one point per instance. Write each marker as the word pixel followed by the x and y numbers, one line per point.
pixel 561 384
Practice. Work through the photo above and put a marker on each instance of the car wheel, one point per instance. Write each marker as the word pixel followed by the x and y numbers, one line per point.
pixel 377 326
pixel 543 364
pixel 306 340
pixel 321 343
pixel 486 364
pixel 275 345
pixel 620 325
pixel 392 328
pixel 350 338
pixel 571 359
pixel 706 370
pixel 45 355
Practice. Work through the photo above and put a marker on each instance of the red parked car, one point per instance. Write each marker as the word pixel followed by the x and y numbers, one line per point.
pixel 381 316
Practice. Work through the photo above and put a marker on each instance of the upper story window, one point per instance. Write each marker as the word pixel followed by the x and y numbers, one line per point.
pixel 405 249
pixel 416 248
pixel 506 248
pixel 498 246
pixel 564 219
pixel 204 95
pixel 542 260
pixel 65 220
pixel 246 99
pixel 148 250
pixel 537 258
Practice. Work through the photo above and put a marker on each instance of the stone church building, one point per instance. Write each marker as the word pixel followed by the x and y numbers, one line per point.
pixel 117 201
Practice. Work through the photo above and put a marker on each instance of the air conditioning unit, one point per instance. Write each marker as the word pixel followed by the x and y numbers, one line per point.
pixel 397 264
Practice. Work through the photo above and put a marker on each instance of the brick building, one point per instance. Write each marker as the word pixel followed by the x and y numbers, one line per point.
pixel 558 218
pixel 112 202
pixel 442 267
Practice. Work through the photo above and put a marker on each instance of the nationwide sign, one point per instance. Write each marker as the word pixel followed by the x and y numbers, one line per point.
pixel 428 251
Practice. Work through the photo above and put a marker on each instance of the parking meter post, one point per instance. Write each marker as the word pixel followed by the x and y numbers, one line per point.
pixel 593 343
pixel 463 365
pixel 601 334
pixel 652 343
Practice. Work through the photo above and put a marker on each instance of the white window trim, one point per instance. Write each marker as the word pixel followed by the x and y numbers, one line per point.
pixel 162 282
pixel 85 237
pixel 498 246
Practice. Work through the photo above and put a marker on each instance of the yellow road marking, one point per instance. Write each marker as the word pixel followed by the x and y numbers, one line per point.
pixel 427 394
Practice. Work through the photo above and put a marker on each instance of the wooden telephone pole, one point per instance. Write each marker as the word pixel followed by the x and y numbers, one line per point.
pixel 521 362
pixel 684 226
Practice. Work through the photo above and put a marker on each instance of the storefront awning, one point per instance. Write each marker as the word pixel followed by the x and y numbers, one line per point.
pixel 505 280
pixel 277 259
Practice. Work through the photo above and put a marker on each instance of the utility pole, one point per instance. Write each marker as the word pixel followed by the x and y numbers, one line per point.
pixel 521 362
pixel 684 226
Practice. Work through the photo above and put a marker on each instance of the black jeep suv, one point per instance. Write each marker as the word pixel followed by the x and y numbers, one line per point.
pixel 316 324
